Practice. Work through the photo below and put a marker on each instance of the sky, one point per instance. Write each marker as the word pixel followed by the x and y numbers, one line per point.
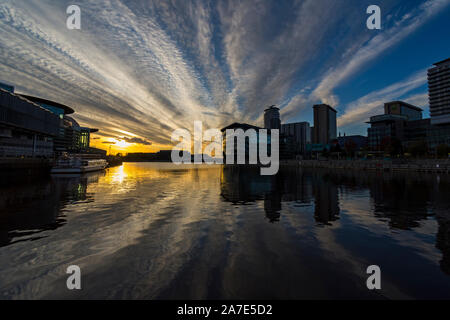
pixel 138 70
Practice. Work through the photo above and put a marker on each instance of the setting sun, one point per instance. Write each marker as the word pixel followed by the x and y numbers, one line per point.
pixel 122 143
pixel 115 145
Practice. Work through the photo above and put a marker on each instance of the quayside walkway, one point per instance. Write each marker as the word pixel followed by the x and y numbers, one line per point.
pixel 436 166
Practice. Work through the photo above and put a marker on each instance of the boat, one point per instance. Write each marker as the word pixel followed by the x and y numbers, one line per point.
pixel 78 165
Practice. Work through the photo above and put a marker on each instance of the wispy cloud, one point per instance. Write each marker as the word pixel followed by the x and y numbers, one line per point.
pixel 372 104
pixel 148 67
pixel 355 58
pixel 374 47
pixel 136 140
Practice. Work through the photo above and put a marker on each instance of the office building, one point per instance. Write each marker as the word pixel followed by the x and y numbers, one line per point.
pixel 325 127
pixel 385 129
pixel 402 108
pixel 390 127
pixel 272 118
pixel 357 142
pixel 439 92
pixel 26 129
pixel 71 136
pixel 300 133
pixel 402 123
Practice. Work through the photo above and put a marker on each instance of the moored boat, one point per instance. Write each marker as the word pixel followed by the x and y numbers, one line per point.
pixel 78 165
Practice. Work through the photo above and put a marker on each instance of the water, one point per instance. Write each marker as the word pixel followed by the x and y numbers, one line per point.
pixel 156 231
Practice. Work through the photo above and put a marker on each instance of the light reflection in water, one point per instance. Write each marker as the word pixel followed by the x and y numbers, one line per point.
pixel 152 230
pixel 118 174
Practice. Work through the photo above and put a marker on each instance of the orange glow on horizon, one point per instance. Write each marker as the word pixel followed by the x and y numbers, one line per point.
pixel 122 146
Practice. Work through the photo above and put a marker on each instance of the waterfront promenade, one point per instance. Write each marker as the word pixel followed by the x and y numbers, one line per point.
pixel 429 165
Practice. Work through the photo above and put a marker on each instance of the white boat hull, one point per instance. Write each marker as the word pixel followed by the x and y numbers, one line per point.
pixel 78 166
pixel 77 170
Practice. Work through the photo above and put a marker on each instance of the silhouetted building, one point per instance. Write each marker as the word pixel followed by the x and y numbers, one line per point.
pixel 385 129
pixel 402 108
pixel 287 147
pixel 160 156
pixel 439 92
pixel 389 128
pixel 251 141
pixel 71 137
pixel 7 87
pixel 325 127
pixel 300 133
pixel 416 130
pixel 357 141
pixel 422 130
pixel 26 129
pixel 272 118
pixel 402 124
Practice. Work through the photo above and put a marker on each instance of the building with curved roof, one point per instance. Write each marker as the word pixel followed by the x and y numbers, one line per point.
pixel 72 137
pixel 26 129
pixel 53 106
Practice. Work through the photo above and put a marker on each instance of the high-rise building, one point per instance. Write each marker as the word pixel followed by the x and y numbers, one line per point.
pixel 439 92
pixel 301 134
pixel 325 128
pixel 272 118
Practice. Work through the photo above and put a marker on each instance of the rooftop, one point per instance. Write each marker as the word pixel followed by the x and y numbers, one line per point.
pixel 293 123
pixel 387 118
pixel 405 104
pixel 324 105
pixel 272 108
pixel 443 62
pixel 67 110
pixel 243 126
pixel 24 99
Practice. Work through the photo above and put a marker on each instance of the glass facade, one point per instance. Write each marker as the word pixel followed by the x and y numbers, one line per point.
pixel 58 111
pixel 438 135
pixel 6 87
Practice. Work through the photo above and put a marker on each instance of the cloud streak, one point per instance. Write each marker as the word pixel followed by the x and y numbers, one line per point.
pixel 148 67
pixel 369 105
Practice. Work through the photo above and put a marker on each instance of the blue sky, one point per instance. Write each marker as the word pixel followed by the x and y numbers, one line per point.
pixel 140 69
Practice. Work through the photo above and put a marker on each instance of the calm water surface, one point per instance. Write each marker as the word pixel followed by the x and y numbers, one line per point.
pixel 156 231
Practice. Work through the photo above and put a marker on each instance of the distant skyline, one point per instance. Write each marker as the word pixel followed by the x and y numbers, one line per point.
pixel 137 70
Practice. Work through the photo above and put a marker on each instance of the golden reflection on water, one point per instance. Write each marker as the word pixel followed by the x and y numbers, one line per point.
pixel 117 175
pixel 145 230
